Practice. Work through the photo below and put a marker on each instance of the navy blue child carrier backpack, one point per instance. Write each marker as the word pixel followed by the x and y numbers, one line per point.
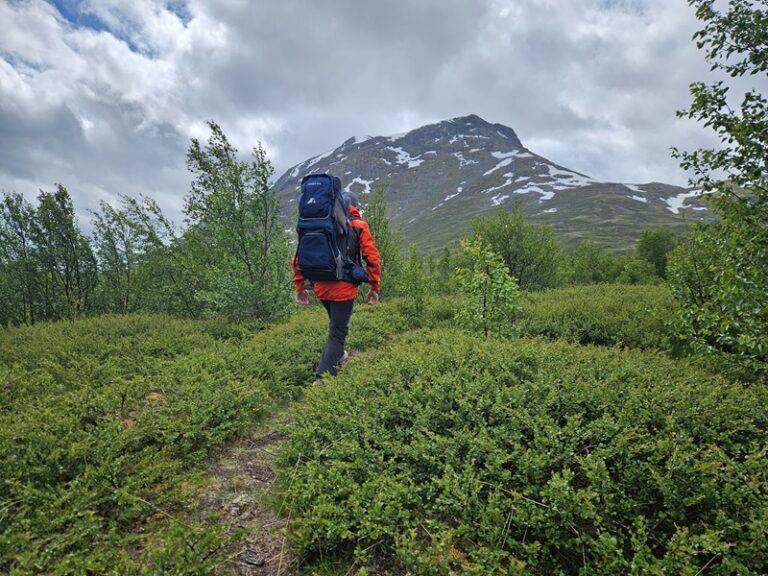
pixel 324 232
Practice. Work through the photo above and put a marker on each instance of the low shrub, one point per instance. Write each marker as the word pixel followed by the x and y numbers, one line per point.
pixel 101 418
pixel 452 454
pixel 606 314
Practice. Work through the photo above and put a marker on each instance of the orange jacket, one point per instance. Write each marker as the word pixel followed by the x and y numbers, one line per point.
pixel 338 290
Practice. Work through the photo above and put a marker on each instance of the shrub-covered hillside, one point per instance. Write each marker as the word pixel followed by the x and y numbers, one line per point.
pixel 101 420
pixel 450 454
pixel 435 451
pixel 632 316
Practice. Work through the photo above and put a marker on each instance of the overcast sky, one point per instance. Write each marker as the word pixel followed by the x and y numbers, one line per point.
pixel 103 95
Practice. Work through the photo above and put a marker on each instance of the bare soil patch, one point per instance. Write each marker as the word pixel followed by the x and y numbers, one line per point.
pixel 239 493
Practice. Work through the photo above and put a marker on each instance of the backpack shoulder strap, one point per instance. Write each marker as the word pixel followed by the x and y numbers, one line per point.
pixel 354 249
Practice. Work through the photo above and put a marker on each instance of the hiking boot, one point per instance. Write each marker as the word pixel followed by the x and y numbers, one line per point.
pixel 342 360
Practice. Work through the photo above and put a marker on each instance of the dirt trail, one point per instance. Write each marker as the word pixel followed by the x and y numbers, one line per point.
pixel 239 493
pixel 241 484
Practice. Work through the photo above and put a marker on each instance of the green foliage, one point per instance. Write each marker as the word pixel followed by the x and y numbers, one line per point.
pixel 451 454
pixel 101 420
pixel 491 295
pixel 130 240
pixel 66 259
pixel 412 284
pixel 237 240
pixel 47 266
pixel 729 315
pixel 722 311
pixel 388 240
pixel 635 270
pixel 20 276
pixel 654 246
pixel 606 314
pixel 529 251
pixel 442 271
pixel 592 265
pixel 232 260
pixel 101 417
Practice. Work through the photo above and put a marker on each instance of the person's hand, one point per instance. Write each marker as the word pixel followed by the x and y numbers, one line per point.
pixel 302 297
pixel 372 298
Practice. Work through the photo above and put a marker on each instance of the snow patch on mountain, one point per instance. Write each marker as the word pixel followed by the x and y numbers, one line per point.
pixel 640 199
pixel 462 137
pixel 677 202
pixel 506 159
pixel 447 198
pixel 513 154
pixel 525 189
pixel 312 161
pixel 463 161
pixel 499 199
pixel 531 187
pixel 366 184
pixel 508 182
pixel 565 179
pixel 404 157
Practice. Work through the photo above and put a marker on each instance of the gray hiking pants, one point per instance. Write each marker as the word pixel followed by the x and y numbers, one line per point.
pixel 339 314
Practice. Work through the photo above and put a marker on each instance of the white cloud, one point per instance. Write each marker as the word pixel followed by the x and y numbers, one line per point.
pixel 106 104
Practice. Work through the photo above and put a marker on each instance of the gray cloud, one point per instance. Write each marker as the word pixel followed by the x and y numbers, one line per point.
pixel 106 101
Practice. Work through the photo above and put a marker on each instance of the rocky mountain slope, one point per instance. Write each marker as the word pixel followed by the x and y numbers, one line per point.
pixel 438 177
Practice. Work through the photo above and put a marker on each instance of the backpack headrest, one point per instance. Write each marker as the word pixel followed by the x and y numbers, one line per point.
pixel 350 199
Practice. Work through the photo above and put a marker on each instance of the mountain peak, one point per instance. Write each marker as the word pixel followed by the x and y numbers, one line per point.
pixel 469 119
pixel 439 176
pixel 475 124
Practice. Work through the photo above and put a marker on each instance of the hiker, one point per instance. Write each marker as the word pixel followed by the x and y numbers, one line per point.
pixel 336 295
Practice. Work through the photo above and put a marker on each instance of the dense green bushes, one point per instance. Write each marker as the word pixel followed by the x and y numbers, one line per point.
pixel 606 314
pixel 103 420
pixel 450 454
pixel 100 419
